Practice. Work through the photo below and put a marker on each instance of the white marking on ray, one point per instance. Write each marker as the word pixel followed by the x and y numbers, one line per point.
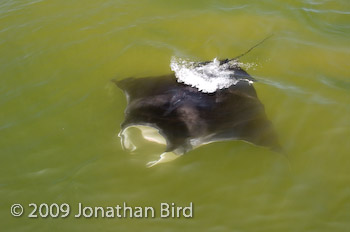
pixel 152 134
pixel 164 158
pixel 125 140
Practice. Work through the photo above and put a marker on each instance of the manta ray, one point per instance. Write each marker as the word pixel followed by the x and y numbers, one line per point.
pixel 184 115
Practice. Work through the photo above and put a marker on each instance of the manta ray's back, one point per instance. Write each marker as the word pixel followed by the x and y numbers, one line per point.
pixel 188 118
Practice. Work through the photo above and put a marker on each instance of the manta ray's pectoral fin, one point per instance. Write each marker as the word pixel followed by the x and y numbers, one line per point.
pixel 259 132
pixel 141 88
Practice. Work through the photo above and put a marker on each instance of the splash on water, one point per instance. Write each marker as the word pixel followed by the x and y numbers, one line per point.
pixel 209 77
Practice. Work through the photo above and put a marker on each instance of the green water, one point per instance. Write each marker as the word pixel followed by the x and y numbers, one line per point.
pixel 60 114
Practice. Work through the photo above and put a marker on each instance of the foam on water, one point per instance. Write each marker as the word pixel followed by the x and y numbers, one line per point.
pixel 208 77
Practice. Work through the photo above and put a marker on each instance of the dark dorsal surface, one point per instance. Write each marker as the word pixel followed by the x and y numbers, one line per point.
pixel 187 117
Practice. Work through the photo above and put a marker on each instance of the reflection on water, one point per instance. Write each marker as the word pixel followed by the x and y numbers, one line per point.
pixel 60 112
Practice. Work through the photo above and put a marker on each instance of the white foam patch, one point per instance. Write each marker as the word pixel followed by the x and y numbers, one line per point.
pixel 209 77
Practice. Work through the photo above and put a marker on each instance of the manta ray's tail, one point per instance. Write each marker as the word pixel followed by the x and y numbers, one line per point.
pixel 245 53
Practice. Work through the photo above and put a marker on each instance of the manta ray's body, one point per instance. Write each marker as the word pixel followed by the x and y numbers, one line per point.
pixel 187 117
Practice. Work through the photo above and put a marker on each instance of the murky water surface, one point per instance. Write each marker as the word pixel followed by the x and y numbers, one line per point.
pixel 60 114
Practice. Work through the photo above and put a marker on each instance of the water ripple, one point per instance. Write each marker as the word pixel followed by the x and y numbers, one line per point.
pixel 296 90
pixel 324 11
pixel 232 8
pixel 11 6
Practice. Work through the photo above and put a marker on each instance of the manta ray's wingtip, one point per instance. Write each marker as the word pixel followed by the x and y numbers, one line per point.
pixel 116 82
pixel 122 84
